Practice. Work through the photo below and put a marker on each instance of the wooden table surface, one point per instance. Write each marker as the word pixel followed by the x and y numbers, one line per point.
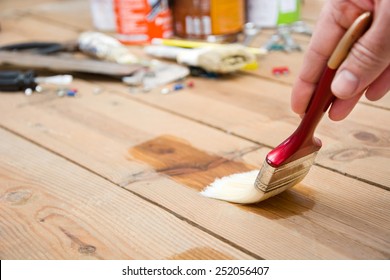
pixel 117 175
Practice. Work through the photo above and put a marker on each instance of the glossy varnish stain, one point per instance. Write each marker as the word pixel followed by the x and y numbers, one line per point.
pixel 184 163
pixel 201 253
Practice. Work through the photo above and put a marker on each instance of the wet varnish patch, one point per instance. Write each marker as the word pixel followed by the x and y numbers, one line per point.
pixel 184 163
pixel 202 253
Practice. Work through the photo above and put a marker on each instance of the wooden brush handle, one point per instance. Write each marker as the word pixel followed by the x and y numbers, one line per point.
pixel 302 142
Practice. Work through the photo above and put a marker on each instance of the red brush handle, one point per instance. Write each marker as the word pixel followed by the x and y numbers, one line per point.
pixel 302 142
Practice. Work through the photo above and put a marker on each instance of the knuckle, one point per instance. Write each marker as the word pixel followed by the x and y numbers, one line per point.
pixel 365 57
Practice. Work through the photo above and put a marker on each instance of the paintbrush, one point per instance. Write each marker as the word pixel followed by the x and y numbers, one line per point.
pixel 201 44
pixel 287 164
pixel 216 59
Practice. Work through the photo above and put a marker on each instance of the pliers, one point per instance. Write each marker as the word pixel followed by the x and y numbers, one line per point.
pixel 40 47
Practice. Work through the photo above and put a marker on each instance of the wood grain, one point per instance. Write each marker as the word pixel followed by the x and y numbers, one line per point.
pixel 180 161
pixel 261 113
pixel 64 161
pixel 304 208
pixel 53 209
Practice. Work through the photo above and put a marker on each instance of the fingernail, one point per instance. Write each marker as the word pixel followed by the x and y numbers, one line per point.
pixel 345 84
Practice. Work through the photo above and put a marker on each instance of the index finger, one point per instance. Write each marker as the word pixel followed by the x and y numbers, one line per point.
pixel 330 27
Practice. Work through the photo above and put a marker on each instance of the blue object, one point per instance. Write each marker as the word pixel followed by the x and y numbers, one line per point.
pixel 71 93
pixel 178 87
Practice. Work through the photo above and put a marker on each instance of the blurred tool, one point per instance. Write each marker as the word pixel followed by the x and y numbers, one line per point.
pixel 17 81
pixel 156 74
pixel 66 64
pixel 105 47
pixel 40 47
pixel 283 40
pixel 250 33
pixel 198 44
pixel 22 81
pixel 55 80
pixel 301 27
pixel 156 7
pixel 218 59
pixel 58 57
pixel 289 43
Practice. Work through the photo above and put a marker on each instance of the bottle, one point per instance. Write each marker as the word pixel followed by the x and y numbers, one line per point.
pixel 103 16
pixel 209 20
pixel 270 13
pixel 139 21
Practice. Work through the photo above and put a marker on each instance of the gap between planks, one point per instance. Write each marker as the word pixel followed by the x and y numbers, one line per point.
pixel 161 108
pixel 146 199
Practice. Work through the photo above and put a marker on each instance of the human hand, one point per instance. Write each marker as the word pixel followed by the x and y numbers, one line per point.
pixel 366 67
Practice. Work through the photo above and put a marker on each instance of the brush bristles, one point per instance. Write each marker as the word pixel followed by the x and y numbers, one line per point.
pixel 270 179
pixel 254 186
pixel 237 188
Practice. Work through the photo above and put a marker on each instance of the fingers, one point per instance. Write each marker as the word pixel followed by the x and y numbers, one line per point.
pixel 367 60
pixel 380 86
pixel 320 48
pixel 367 65
pixel 300 96
pixel 341 108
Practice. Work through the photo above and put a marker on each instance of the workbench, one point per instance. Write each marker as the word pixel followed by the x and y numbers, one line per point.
pixel 111 174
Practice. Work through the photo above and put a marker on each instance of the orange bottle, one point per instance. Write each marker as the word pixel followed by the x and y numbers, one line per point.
pixel 139 21
pixel 211 20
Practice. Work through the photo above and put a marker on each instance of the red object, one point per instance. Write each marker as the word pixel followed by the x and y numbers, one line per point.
pixel 190 84
pixel 302 142
pixel 138 21
pixel 280 70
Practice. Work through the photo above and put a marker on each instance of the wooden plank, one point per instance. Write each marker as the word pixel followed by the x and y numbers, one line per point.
pixel 16 7
pixel 306 222
pixel 261 113
pixel 311 9
pixel 319 218
pixel 61 12
pixel 66 64
pixel 53 209
pixel 121 122
pixel 308 203
pixel 28 28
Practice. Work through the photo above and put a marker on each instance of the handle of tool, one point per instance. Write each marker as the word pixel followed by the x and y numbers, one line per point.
pixel 302 142
pixel 17 80
pixel 67 64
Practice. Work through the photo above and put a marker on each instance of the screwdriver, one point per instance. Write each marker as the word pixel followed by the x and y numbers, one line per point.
pixel 17 80
pixel 13 81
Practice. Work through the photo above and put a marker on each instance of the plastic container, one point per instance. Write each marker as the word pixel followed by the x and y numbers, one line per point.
pixel 270 13
pixel 139 21
pixel 103 16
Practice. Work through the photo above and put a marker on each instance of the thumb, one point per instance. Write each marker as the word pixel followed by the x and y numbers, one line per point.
pixel 368 58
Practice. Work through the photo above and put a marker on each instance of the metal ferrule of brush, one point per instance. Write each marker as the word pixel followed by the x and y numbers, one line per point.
pixel 272 178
